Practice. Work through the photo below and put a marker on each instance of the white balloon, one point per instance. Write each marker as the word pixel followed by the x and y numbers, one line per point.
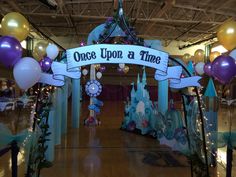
pixel 84 72
pixel 52 51
pixel 233 54
pixel 121 65
pixel 199 68
pixel 99 75
pixel 27 72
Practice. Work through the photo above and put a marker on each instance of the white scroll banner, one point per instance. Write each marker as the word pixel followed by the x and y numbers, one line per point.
pixel 173 73
pixel 110 53
pixel 59 72
pixel 187 82
pixel 61 69
pixel 174 76
pixel 49 79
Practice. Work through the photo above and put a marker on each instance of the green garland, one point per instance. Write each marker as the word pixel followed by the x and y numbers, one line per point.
pixel 199 167
pixel 37 159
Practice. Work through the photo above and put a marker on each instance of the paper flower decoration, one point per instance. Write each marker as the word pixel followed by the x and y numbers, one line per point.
pixel 93 88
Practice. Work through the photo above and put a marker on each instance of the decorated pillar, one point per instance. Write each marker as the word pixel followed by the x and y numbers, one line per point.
pixel 92 77
pixel 163 96
pixel 211 102
pixel 76 95
pixel 49 155
pixel 58 116
pixel 162 85
pixel 64 107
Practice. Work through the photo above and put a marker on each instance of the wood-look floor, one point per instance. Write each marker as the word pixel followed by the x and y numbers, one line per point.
pixel 106 151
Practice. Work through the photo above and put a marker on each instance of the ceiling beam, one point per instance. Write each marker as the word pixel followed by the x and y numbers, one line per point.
pixel 12 4
pixel 166 6
pixel 103 1
pixel 63 11
pixel 139 19
pixel 189 7
pixel 171 37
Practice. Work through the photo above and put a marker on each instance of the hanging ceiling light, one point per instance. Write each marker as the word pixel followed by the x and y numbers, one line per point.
pixel 52 4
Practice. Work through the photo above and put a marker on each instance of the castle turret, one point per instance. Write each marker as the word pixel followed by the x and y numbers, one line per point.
pixel 144 77
pixel 132 95
pixel 138 79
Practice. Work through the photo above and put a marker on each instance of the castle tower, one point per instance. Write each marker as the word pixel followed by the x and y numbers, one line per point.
pixel 144 77
pixel 132 94
pixel 139 89
pixel 138 79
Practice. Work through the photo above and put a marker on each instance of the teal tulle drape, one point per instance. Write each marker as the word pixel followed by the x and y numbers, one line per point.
pixel 219 139
pixel 224 139
pixel 6 137
pixel 24 140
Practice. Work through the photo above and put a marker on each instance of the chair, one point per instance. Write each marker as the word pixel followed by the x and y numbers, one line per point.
pixel 9 106
pixel 19 104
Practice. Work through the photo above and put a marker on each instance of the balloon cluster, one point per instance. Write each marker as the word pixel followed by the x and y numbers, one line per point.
pixel 100 69
pixel 123 68
pixel 198 56
pixel 186 57
pixel 226 35
pixel 223 68
pixel 51 52
pixel 26 70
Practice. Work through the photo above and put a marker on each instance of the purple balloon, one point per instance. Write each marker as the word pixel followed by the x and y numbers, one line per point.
pixel 223 69
pixel 102 69
pixel 45 64
pixel 109 19
pixel 10 51
pixel 207 69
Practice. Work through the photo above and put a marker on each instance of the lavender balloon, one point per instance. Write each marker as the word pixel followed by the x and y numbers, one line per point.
pixel 109 19
pixel 120 70
pixel 10 51
pixel 223 69
pixel 45 64
pixel 207 69
pixel 102 69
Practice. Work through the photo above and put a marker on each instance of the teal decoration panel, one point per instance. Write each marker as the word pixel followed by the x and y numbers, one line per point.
pixel 76 96
pixel 64 106
pixel 49 155
pixel 58 116
pixel 210 89
pixel 163 96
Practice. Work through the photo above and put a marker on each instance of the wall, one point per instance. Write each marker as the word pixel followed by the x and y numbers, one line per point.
pixel 173 48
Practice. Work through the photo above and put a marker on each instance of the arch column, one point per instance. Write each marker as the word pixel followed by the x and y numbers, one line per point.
pixel 163 96
pixel 76 95
pixel 64 107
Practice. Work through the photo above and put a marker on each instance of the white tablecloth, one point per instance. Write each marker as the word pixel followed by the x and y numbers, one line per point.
pixel 5 103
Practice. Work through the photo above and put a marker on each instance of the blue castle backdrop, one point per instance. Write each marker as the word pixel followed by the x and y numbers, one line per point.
pixel 141 116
